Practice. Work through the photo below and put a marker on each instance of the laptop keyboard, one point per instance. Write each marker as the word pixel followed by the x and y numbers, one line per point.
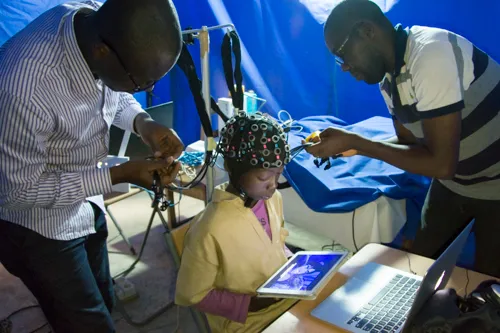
pixel 387 311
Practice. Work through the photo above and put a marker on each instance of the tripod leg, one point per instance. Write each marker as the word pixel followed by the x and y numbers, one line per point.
pixel 143 245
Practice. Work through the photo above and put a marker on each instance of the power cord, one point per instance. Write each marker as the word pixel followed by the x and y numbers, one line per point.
pixel 6 323
pixel 332 246
pixel 467 283
pixel 353 235
pixel 409 264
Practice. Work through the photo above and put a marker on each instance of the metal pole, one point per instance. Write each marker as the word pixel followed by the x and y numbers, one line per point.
pixel 192 31
pixel 205 87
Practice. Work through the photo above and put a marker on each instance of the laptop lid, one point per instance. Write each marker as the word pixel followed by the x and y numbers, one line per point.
pixel 135 149
pixel 438 274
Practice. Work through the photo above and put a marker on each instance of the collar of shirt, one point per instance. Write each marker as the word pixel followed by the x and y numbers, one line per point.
pixel 82 78
pixel 400 48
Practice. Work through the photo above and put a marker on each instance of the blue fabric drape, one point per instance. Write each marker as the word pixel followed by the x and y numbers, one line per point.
pixel 286 62
pixel 284 57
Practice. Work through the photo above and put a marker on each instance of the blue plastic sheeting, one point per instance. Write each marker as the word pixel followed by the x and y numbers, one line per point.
pixel 286 62
pixel 284 56
pixel 352 181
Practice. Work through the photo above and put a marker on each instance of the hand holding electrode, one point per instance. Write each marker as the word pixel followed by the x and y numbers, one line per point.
pixel 332 142
pixel 163 141
pixel 141 173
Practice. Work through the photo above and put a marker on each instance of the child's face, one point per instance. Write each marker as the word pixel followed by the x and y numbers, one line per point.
pixel 260 184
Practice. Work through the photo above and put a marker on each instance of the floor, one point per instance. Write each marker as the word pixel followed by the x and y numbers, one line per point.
pixel 153 277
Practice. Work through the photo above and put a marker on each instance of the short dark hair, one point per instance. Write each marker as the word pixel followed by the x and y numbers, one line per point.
pixel 146 33
pixel 348 13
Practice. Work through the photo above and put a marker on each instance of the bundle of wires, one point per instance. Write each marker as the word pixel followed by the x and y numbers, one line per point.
pixel 230 46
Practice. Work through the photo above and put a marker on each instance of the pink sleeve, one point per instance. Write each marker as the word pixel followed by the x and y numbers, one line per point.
pixel 226 304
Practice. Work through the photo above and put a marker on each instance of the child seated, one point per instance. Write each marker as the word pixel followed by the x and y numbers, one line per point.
pixel 238 241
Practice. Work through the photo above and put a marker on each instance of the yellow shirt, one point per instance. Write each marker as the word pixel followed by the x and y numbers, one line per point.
pixel 226 248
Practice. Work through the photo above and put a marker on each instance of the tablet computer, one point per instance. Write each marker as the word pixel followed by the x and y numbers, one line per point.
pixel 303 276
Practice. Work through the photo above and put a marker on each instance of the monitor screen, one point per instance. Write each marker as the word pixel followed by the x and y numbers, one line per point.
pixel 136 149
pixel 304 272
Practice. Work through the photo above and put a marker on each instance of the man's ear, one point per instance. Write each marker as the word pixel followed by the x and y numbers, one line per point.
pixel 367 30
pixel 100 50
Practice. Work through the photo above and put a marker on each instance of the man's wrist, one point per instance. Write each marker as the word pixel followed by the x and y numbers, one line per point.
pixel 116 174
pixel 358 142
pixel 140 121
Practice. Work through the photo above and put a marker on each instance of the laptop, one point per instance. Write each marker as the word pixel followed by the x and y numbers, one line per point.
pixel 382 299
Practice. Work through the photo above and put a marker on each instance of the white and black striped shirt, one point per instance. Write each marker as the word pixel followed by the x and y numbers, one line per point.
pixel 54 128
pixel 440 73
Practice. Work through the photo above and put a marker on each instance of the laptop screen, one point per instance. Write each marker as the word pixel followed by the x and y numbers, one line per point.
pixel 136 149
pixel 304 271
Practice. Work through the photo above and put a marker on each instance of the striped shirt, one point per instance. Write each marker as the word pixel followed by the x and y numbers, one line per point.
pixel 437 73
pixel 54 128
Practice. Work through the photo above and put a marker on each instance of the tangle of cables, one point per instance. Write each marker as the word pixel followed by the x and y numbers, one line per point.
pixel 233 76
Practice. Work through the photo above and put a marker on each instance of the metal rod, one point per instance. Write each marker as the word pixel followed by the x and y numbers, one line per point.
pixel 215 27
pixel 205 75
pixel 203 36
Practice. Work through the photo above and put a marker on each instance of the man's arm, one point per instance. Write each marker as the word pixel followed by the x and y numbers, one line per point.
pixel 437 157
pixel 403 135
pixel 26 184
pixel 439 95
pixel 130 114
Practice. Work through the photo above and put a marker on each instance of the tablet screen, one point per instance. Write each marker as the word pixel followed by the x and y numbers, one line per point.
pixel 304 272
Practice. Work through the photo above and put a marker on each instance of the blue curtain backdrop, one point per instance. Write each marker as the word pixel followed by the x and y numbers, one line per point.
pixel 284 57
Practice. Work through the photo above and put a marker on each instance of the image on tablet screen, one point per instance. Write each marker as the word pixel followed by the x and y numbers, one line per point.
pixel 304 272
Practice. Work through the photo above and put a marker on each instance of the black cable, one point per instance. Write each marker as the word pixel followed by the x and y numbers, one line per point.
pixel 409 264
pixel 21 310
pixel 467 283
pixel 332 246
pixel 353 235
pixel 9 317
pixel 39 328
pixel 231 76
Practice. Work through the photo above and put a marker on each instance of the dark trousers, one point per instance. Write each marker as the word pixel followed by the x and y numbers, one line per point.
pixel 446 213
pixel 70 279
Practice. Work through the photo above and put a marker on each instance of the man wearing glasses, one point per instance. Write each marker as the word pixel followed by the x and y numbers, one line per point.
pixel 443 94
pixel 64 80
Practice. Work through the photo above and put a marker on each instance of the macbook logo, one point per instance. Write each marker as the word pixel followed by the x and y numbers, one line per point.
pixel 438 283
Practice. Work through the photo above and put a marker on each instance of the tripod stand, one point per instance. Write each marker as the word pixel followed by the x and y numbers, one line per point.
pixel 158 204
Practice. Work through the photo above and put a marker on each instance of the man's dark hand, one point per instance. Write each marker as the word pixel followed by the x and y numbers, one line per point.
pixel 141 173
pixel 260 303
pixel 334 141
pixel 163 141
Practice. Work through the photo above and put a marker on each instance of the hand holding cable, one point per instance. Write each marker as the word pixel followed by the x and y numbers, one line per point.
pixel 141 173
pixel 330 144
pixel 163 141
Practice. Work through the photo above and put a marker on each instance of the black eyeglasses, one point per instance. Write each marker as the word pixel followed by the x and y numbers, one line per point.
pixel 339 53
pixel 138 88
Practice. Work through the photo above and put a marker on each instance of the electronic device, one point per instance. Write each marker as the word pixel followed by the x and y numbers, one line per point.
pixel 121 143
pixel 303 276
pixel 379 298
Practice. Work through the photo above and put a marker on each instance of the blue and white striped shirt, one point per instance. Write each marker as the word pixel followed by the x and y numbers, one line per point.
pixel 54 128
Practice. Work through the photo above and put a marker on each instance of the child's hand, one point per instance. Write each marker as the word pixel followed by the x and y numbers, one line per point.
pixel 259 303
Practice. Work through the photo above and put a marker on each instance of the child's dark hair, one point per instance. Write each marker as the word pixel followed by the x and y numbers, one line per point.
pixel 252 141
